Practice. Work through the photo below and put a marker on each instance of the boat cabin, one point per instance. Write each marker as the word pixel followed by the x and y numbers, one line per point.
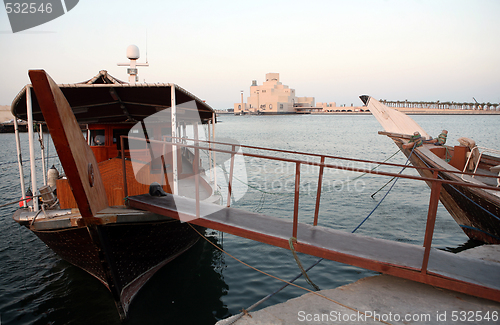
pixel 104 139
pixel 110 108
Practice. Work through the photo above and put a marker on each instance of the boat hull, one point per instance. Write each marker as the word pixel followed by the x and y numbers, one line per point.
pixel 122 256
pixel 475 210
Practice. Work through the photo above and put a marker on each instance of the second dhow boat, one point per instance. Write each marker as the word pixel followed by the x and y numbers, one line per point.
pixel 476 210
pixel 87 223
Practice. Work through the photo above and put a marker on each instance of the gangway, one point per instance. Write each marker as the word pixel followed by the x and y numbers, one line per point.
pixel 414 262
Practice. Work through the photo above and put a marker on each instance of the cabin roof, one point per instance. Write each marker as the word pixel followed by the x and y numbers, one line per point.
pixel 105 99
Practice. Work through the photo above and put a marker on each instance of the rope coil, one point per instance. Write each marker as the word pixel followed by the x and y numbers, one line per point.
pixel 441 139
pixel 417 139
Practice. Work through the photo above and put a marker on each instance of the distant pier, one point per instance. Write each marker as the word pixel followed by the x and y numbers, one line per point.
pixel 443 105
pixel 407 111
pixel 8 127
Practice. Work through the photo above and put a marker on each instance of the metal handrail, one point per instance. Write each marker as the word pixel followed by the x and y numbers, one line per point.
pixel 322 164
pixel 433 200
pixel 334 157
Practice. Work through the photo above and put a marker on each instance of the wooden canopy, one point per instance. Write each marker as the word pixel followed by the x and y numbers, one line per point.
pixel 104 99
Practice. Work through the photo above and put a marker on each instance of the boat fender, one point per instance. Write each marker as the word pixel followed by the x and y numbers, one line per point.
pixel 52 176
pixel 155 189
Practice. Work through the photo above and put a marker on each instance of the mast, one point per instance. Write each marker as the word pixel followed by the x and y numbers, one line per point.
pixel 20 160
pixel 32 147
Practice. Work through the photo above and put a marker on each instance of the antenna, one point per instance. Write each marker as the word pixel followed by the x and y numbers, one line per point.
pixel 146 46
pixel 133 55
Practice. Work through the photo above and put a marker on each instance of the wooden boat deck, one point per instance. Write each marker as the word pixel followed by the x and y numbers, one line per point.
pixel 446 270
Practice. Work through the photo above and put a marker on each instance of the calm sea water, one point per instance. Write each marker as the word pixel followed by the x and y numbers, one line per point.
pixel 205 285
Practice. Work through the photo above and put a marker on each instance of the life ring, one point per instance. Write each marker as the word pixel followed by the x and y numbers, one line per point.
pixel 29 197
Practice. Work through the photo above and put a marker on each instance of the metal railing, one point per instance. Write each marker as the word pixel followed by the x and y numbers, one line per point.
pixel 435 181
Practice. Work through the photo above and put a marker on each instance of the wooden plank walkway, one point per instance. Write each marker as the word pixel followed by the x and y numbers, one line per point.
pixel 446 270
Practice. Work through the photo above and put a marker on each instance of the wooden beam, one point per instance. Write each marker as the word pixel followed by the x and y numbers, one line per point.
pixel 395 135
pixel 75 155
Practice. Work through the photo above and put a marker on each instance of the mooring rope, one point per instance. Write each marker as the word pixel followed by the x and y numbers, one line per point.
pixel 383 186
pixel 379 202
pixel 17 201
pixel 279 279
pixel 291 241
pixel 275 292
pixel 303 272
pixel 363 174
pixel 293 174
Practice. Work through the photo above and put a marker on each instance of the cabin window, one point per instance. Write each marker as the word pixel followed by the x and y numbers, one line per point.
pixel 116 138
pixel 97 138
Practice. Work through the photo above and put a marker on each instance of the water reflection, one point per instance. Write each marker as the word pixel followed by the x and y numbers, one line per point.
pixel 188 291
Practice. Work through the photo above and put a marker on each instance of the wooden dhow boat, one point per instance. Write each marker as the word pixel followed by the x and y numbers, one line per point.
pixel 476 210
pixel 82 214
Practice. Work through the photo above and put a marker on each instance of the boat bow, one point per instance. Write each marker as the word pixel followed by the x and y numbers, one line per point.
pixel 476 210
pixel 392 120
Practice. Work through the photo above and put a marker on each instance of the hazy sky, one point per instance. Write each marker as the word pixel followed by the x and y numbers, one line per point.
pixel 331 50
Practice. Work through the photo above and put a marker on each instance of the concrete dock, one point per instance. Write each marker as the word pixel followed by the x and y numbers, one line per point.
pixel 384 299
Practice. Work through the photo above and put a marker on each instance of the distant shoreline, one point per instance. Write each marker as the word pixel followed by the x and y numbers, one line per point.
pixel 421 112
pixel 408 111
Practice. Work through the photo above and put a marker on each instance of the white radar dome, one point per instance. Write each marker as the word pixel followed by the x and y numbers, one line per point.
pixel 132 52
